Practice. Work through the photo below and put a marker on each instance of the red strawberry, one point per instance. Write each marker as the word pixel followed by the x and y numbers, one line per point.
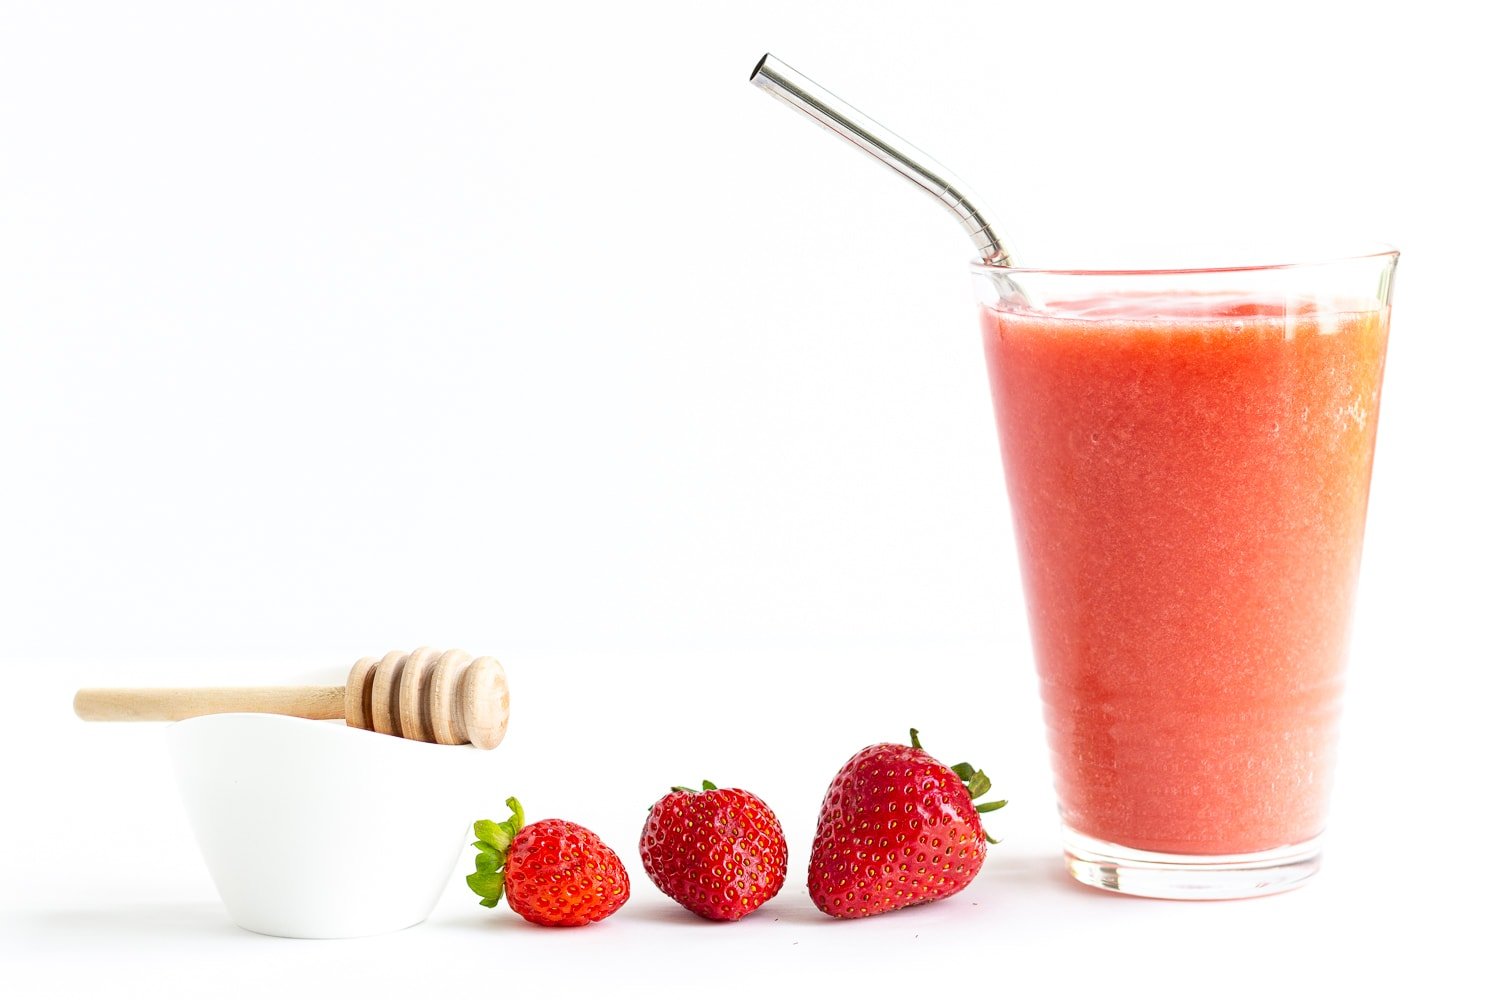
pixel 897 828
pixel 552 872
pixel 719 852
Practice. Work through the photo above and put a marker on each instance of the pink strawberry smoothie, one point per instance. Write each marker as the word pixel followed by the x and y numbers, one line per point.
pixel 1189 499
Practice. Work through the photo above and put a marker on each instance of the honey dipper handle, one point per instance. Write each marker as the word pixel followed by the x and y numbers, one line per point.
pixel 171 704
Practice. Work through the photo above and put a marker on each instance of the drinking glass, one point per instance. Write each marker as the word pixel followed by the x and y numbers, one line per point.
pixel 1188 454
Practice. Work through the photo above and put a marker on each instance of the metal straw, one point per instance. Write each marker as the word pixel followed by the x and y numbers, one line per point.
pixel 786 84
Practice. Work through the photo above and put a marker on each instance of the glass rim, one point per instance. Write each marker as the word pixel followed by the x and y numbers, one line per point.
pixel 1370 251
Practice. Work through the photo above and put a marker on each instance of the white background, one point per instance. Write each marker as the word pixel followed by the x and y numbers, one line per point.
pixel 327 329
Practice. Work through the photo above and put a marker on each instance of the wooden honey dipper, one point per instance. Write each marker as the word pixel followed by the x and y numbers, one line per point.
pixel 428 695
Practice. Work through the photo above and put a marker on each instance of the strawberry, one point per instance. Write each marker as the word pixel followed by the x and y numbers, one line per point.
pixel 552 872
pixel 897 828
pixel 719 852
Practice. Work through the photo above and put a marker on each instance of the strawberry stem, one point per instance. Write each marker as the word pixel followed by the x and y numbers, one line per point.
pixel 977 783
pixel 708 786
pixel 488 878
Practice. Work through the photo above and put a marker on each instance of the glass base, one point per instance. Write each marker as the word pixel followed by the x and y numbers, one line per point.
pixel 1188 876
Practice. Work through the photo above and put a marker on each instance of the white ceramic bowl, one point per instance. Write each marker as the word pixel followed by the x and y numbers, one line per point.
pixel 318 830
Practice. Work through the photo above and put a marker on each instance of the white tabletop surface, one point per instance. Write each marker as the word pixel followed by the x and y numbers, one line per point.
pixel 104 885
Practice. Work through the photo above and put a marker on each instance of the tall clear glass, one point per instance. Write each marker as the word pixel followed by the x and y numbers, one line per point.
pixel 1188 458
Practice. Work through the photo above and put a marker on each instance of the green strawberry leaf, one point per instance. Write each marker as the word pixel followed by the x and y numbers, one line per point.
pixel 489 887
pixel 493 845
pixel 976 783
pixel 495 836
